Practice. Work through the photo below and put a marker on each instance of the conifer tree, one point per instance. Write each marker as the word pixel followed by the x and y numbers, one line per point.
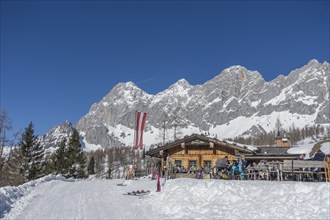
pixel 58 162
pixel 75 157
pixel 91 166
pixel 32 153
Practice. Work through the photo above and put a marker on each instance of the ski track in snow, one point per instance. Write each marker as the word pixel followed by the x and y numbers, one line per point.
pixel 87 199
pixel 179 199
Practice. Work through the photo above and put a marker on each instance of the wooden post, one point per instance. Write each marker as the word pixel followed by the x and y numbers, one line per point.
pixel 327 168
pixel 281 172
pixel 292 169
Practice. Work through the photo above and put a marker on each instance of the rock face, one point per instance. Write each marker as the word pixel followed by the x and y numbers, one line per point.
pixel 56 135
pixel 301 98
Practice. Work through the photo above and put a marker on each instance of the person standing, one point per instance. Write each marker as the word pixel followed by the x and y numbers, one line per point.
pixel 222 163
pixel 319 156
pixel 159 167
pixel 242 165
pixel 222 166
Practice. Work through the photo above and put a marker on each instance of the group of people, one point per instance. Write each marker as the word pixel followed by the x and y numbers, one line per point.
pixel 223 169
pixel 233 170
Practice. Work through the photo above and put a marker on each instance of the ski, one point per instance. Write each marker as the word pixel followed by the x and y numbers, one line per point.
pixel 138 193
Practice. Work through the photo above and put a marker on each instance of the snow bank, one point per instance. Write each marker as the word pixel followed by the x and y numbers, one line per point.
pixel 10 194
pixel 214 199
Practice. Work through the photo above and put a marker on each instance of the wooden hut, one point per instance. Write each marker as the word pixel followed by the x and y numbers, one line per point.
pixel 196 150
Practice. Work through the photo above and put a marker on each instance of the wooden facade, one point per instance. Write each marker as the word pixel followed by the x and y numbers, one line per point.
pixel 202 151
pixel 282 140
pixel 197 150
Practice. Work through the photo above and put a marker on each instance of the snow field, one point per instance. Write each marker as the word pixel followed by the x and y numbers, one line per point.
pixel 56 198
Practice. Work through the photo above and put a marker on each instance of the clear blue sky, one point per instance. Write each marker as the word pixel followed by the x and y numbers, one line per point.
pixel 60 57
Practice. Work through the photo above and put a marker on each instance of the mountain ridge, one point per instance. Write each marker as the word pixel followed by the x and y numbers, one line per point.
pixel 237 101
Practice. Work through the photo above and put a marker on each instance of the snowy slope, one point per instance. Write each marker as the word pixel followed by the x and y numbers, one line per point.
pixel 54 198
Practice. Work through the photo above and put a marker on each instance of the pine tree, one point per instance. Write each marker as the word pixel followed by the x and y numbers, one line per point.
pixel 75 157
pixel 32 153
pixel 81 168
pixel 91 166
pixel 58 161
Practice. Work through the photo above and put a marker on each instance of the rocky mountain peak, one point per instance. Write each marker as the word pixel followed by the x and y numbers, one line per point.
pixel 313 62
pixel 235 68
pixel 56 135
pixel 180 86
pixel 125 89
pixel 237 73
pixel 236 102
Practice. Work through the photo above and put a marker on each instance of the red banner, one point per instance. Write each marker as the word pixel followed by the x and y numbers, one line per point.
pixel 139 128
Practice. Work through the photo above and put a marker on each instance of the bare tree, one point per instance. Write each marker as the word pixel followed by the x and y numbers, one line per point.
pixel 278 125
pixel 5 127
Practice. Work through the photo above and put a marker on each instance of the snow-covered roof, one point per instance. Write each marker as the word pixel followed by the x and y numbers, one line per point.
pixel 307 149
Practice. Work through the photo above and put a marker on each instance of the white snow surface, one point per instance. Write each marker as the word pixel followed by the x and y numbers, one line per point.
pixel 304 149
pixel 53 197
pixel 90 147
pixel 325 148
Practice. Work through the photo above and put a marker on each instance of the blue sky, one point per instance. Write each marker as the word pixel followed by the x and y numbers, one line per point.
pixel 60 57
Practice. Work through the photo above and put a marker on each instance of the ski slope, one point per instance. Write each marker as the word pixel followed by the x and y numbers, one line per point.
pixel 56 198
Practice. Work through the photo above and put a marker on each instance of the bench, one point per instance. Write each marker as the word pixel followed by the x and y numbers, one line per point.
pixel 185 175
pixel 300 168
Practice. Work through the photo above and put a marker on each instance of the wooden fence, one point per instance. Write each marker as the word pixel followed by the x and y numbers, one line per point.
pixel 298 170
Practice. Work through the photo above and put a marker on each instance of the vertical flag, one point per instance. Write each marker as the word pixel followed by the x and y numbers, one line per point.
pixel 139 127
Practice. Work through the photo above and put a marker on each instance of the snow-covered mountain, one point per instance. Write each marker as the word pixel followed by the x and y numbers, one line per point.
pixel 235 102
pixel 56 135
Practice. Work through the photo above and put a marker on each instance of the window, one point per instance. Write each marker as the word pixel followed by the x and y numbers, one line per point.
pixel 207 163
pixel 192 163
pixel 178 163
